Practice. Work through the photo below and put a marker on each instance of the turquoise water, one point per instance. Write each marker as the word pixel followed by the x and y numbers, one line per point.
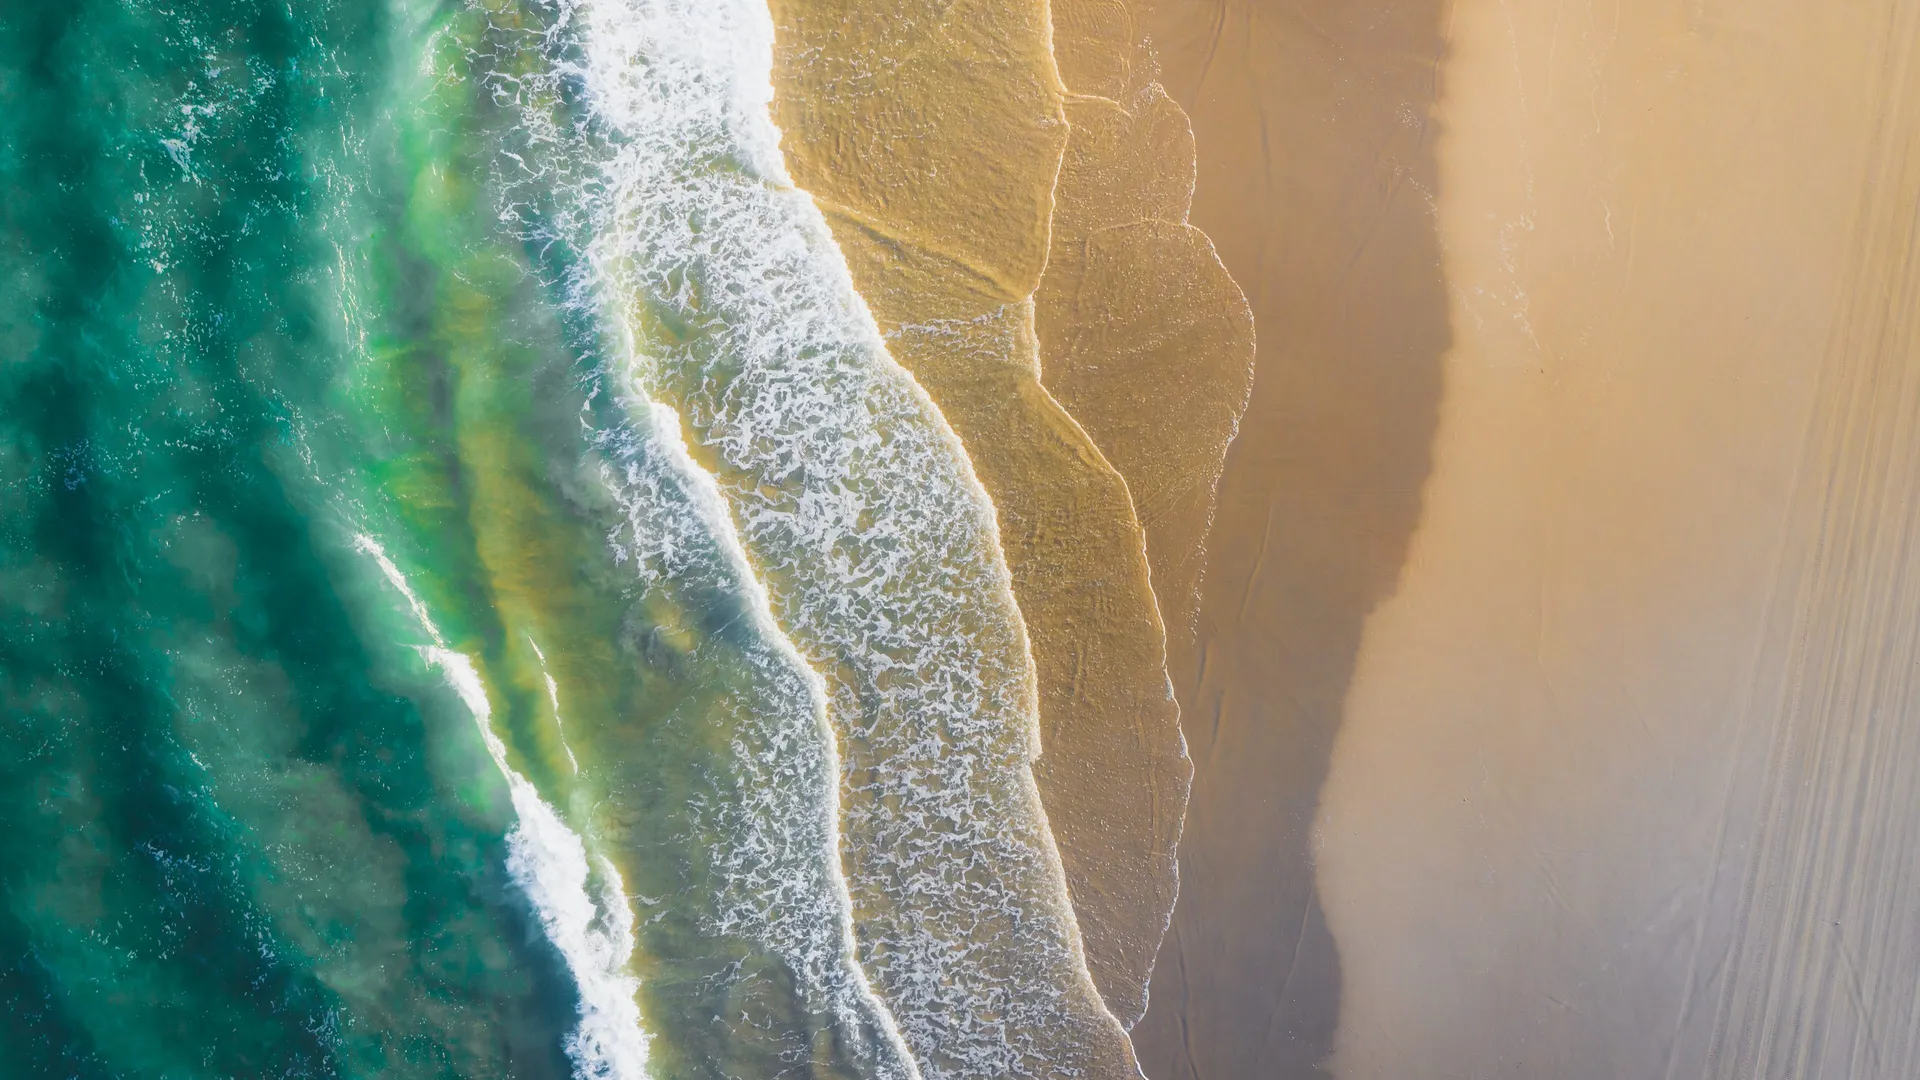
pixel 478 600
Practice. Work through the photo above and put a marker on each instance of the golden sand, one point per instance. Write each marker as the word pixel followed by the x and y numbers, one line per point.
pixel 1614 634
pixel 1627 782
pixel 931 135
pixel 1144 336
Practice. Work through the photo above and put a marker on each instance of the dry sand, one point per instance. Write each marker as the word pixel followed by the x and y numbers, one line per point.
pixel 1626 783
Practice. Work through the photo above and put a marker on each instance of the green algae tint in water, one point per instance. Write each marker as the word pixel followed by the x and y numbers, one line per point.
pixel 385 691
pixel 248 832
pixel 268 305
pixel 639 679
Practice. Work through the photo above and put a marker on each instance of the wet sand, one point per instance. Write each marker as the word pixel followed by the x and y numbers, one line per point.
pixel 1315 182
pixel 931 135
pixel 1144 336
pixel 1547 687
pixel 1626 783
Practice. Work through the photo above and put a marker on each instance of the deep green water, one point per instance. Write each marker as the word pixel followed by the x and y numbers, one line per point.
pixel 252 305
pixel 306 415
pixel 248 833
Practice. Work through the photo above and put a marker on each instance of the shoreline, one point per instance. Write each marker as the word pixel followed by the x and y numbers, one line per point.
pixel 1043 304
pixel 949 269
pixel 1315 175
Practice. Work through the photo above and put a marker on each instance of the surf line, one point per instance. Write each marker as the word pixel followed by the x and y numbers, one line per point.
pixel 553 696
pixel 699 217
pixel 549 862
pixel 662 422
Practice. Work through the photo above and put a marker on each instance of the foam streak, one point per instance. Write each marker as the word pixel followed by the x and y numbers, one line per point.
pixel 548 861
pixel 861 511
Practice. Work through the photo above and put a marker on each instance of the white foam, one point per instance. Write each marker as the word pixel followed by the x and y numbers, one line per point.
pixel 548 861
pixel 728 299
pixel 553 698
pixel 781 883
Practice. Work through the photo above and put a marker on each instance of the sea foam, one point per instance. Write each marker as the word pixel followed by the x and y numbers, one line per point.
pixel 726 298
pixel 548 861
pixel 776 812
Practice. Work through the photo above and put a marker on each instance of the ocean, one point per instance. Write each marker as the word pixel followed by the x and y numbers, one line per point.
pixel 480 600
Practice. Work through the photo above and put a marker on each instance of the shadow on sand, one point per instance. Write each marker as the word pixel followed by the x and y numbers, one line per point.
pixel 1317 183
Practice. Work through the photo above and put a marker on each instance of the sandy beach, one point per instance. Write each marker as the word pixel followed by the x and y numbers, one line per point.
pixel 951 268
pixel 1316 180
pixel 1623 787
pixel 1582 350
pixel 1536 653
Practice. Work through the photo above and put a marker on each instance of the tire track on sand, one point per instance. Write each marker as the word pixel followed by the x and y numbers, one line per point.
pixel 1821 975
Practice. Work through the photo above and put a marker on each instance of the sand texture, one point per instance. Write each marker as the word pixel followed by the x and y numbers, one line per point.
pixel 1627 785
pixel 931 135
pixel 1144 336
pixel 1546 652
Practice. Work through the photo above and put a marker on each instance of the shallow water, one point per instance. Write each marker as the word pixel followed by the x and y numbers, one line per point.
pixel 480 600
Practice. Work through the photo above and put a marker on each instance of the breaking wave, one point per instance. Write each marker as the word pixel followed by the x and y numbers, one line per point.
pixel 548 861
pixel 725 299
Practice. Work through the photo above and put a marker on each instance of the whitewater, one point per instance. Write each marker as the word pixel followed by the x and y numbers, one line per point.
pixel 731 322
pixel 776 809
pixel 548 860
